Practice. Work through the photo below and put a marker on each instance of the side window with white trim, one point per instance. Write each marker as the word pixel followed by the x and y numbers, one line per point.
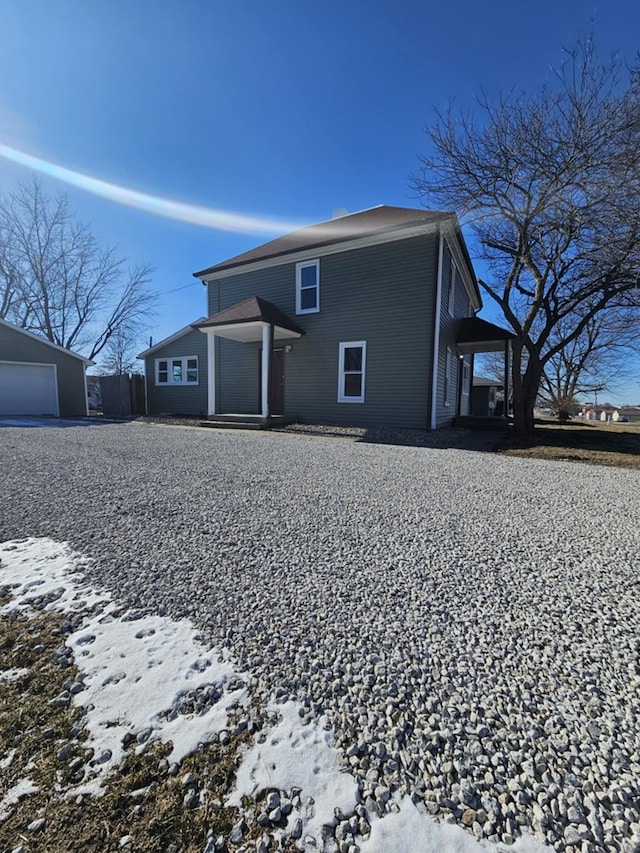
pixel 351 371
pixel 308 287
pixel 448 376
pixel 182 370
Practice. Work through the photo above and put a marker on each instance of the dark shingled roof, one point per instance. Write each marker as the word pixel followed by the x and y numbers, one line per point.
pixel 376 220
pixel 251 310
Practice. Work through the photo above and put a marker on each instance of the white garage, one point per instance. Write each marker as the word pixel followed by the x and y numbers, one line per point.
pixel 28 389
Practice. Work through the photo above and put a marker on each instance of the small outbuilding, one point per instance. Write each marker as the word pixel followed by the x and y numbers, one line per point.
pixel 38 377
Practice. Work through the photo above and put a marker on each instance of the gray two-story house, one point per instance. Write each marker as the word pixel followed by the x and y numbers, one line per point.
pixel 367 319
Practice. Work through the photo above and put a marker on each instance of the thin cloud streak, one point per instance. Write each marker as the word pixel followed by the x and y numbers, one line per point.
pixel 206 217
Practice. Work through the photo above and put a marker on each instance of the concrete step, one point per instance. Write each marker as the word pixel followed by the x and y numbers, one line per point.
pixel 240 421
pixel 231 424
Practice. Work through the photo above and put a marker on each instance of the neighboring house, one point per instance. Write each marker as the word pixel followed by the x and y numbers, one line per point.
pixel 367 319
pixel 487 398
pixel 38 377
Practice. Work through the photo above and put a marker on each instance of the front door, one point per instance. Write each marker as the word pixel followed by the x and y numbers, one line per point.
pixel 276 396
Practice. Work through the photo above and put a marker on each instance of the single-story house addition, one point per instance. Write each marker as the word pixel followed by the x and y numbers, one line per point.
pixel 354 321
pixel 38 377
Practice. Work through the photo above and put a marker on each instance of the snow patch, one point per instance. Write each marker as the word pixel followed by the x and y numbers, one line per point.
pixel 303 756
pixel 13 796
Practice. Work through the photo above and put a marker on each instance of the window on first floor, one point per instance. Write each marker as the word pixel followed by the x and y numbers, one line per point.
pixel 448 377
pixel 466 377
pixel 351 371
pixel 182 370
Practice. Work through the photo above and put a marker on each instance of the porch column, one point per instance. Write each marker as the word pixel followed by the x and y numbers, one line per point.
pixel 267 348
pixel 505 408
pixel 211 372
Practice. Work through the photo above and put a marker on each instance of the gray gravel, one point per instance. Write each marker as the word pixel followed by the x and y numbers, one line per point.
pixel 470 622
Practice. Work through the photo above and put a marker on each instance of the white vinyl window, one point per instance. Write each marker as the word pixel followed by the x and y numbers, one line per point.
pixel 448 375
pixel 351 371
pixel 308 287
pixel 177 371
pixel 451 296
pixel 466 377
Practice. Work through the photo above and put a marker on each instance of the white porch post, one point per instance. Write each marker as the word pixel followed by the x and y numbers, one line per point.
pixel 266 366
pixel 507 347
pixel 211 371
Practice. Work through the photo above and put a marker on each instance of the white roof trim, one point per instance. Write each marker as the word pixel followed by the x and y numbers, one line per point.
pixel 42 340
pixel 454 247
pixel 174 337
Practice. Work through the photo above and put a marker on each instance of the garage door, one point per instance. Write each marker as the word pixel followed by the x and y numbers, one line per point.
pixel 28 389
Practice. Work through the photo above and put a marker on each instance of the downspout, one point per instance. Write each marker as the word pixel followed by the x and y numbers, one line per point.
pixel 436 334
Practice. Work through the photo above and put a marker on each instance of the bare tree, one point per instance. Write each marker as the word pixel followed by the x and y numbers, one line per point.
pixel 58 281
pixel 598 359
pixel 119 354
pixel 550 185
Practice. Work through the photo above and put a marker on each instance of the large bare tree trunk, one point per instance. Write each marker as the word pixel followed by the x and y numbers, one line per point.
pixel 525 391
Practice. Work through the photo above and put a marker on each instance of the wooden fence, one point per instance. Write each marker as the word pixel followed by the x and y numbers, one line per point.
pixel 122 395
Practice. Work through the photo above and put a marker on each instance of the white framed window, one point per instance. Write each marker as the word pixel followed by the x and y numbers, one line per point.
pixel 448 376
pixel 451 296
pixel 182 370
pixel 308 287
pixel 351 371
pixel 466 377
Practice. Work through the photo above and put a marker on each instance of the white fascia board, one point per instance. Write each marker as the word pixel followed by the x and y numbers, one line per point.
pixel 174 337
pixel 42 340
pixel 436 336
pixel 461 264
pixel 322 251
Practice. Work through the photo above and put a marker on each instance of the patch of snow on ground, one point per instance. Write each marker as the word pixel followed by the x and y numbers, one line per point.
pixel 13 796
pixel 303 756
pixel 410 831
pixel 12 674
pixel 135 671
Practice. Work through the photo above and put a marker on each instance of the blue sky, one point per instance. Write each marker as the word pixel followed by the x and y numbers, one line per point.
pixel 280 109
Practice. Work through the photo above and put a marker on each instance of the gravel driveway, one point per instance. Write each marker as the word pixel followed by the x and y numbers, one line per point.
pixel 470 622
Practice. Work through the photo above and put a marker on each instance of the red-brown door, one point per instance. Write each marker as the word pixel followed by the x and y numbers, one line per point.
pixel 276 401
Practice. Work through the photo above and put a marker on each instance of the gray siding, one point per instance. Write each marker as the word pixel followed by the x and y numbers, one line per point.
pixel 381 294
pixel 445 414
pixel 16 346
pixel 179 399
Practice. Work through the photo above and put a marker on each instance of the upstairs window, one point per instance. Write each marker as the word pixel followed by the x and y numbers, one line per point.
pixel 351 371
pixel 177 371
pixel 451 296
pixel 308 287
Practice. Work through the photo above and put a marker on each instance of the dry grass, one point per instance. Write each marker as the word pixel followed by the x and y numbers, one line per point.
pixel 614 445
pixel 144 799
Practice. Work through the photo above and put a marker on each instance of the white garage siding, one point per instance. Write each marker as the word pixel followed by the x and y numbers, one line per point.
pixel 28 389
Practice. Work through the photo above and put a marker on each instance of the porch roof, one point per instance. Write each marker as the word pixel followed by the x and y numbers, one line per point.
pixel 245 321
pixel 478 335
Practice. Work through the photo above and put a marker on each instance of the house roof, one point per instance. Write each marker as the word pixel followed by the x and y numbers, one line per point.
pixel 251 310
pixel 376 220
pixel 485 382
pixel 174 337
pixel 44 341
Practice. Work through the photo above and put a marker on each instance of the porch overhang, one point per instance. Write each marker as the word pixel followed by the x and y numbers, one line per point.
pixel 245 322
pixel 255 320
pixel 478 335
